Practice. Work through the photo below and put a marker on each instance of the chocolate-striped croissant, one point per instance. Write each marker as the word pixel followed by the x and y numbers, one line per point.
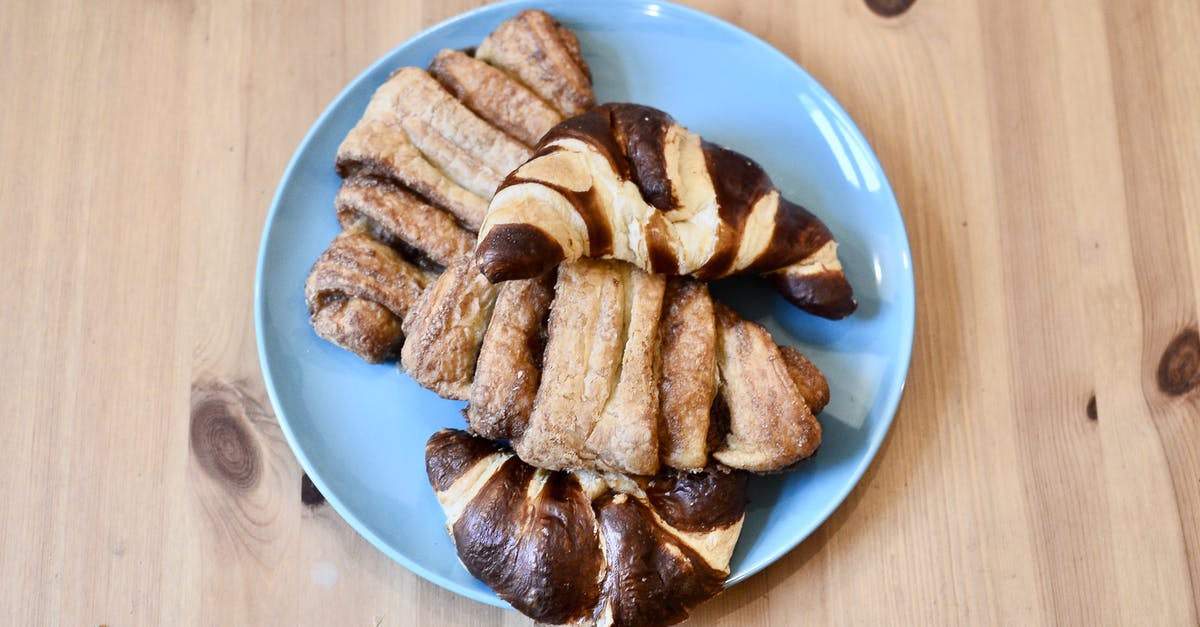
pixel 582 548
pixel 626 181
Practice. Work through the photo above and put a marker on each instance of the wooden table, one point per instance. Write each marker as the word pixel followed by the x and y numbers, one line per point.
pixel 1044 466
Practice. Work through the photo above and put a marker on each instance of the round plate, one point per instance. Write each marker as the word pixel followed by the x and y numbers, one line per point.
pixel 360 430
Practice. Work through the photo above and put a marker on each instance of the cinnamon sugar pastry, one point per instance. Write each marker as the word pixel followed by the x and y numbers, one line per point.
pixel 422 163
pixel 771 424
pixel 627 182
pixel 358 293
pixel 581 548
pixel 416 133
pixel 509 369
pixel 612 369
pixel 445 330
pixel 544 55
pixel 495 96
pixel 402 220
pixel 689 374
pixel 597 405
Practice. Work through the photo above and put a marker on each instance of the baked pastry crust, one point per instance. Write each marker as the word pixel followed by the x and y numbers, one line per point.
pixel 597 405
pixel 428 153
pixel 495 96
pixel 416 133
pixel 770 424
pixel 627 182
pixel 509 369
pixel 359 291
pixel 445 330
pixel 635 372
pixel 689 374
pixel 544 55
pixel 401 219
pixel 576 548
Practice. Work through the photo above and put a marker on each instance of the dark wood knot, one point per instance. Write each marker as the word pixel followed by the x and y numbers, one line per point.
pixel 1179 368
pixel 309 494
pixel 1091 409
pixel 222 438
pixel 889 8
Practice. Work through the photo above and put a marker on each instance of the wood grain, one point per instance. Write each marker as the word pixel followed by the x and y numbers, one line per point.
pixel 1044 467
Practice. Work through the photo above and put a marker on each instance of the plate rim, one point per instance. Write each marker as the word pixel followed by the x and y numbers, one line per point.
pixel 892 393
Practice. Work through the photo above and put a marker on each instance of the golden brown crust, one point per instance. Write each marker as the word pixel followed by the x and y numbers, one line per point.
pixel 544 55
pixel 634 374
pixel 495 96
pixel 394 215
pixel 361 326
pixel 383 150
pixel 689 373
pixel 580 366
pixel 770 425
pixel 510 362
pixel 445 330
pixel 358 292
pixel 808 379
pixel 427 154
pixel 625 437
pixel 470 151
pixel 597 405
pixel 415 133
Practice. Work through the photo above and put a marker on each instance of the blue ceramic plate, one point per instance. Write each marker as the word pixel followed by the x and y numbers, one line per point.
pixel 360 430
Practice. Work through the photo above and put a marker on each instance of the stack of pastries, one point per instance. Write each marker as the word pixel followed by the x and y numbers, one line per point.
pixel 614 408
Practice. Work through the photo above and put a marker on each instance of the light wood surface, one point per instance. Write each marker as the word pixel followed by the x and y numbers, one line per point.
pixel 1044 467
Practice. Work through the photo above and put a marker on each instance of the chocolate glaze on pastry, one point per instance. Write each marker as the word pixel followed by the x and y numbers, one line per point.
pixel 572 548
pixel 626 181
pixel 698 501
pixel 653 577
pixel 537 546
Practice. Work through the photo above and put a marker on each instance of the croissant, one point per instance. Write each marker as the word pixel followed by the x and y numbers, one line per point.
pixel 627 182
pixel 359 292
pixel 581 548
